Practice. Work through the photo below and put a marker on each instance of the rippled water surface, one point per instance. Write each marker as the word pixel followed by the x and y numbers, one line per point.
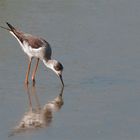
pixel 98 42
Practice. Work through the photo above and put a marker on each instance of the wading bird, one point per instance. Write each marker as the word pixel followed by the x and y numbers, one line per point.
pixel 36 47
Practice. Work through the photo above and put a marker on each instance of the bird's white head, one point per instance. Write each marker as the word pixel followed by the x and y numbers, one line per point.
pixel 57 67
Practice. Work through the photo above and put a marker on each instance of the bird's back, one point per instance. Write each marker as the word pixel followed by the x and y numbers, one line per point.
pixel 32 45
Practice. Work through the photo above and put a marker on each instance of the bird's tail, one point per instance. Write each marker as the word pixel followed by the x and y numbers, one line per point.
pixel 5 28
pixel 11 28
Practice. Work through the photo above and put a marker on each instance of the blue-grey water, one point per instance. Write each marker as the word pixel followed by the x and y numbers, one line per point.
pixel 98 42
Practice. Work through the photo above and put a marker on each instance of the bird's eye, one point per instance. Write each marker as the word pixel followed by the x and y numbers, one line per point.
pixel 58 67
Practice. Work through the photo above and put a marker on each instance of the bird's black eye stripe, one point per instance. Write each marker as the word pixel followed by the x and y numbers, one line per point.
pixel 58 67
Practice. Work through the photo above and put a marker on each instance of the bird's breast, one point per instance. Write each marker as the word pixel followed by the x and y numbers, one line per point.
pixel 33 52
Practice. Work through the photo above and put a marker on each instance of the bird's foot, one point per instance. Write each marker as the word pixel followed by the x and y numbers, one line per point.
pixel 33 82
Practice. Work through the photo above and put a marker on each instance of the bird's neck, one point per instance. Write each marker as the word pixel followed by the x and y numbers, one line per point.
pixel 48 63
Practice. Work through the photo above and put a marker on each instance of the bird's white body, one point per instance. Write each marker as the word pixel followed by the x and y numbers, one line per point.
pixel 36 47
pixel 31 52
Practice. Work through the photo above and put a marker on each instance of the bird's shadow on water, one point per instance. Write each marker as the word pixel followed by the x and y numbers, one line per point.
pixel 37 116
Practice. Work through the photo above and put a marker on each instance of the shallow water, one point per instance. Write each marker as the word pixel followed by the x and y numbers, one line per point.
pixel 98 42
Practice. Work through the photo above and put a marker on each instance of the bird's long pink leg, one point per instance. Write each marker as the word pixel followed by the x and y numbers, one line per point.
pixel 28 71
pixel 34 72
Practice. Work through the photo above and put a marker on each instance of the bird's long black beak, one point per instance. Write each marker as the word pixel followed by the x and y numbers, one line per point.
pixel 61 78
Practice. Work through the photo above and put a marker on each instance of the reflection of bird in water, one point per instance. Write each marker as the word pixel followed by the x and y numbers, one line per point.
pixel 36 47
pixel 39 117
